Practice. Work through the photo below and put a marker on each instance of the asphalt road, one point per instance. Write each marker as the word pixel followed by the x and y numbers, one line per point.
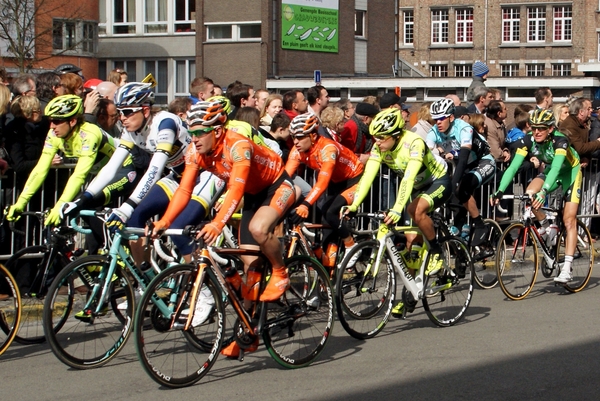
pixel 546 347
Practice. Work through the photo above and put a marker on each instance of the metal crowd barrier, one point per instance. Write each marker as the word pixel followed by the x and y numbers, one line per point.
pixel 382 196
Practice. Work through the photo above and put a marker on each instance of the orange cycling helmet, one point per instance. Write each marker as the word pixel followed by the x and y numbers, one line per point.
pixel 304 124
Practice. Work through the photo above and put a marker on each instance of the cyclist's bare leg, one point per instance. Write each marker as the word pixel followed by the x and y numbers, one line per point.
pixel 471 206
pixel 418 210
pixel 570 221
pixel 533 188
pixel 261 227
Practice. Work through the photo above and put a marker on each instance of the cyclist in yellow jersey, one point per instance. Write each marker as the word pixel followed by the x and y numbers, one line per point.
pixel 77 139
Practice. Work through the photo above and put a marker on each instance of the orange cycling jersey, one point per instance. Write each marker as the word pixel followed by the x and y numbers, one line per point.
pixel 247 168
pixel 335 163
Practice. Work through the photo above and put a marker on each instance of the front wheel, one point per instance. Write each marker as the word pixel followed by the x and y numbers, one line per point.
pixel 516 265
pixel 583 258
pixel 448 293
pixel 364 297
pixel 299 325
pixel 170 355
pixel 484 256
pixel 10 309
pixel 93 332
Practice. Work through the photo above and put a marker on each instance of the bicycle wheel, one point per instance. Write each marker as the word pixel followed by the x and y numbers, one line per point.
pixel 364 300
pixel 517 265
pixel 583 258
pixel 171 356
pixel 298 327
pixel 28 268
pixel 88 339
pixel 448 294
pixel 10 309
pixel 484 256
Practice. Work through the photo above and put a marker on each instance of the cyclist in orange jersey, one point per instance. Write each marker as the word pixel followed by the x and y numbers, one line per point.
pixel 339 171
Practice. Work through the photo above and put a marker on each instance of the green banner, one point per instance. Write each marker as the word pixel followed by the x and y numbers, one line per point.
pixel 304 27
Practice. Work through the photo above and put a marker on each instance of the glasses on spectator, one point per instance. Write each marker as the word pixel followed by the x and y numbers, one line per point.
pixel 127 112
pixel 200 132
pixel 58 121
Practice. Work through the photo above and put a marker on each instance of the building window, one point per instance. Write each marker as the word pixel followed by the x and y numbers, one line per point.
pixel 563 23
pixel 76 36
pixel 509 70
pixel 102 20
pixel 124 17
pixel 438 71
pixel 185 15
pixel 222 32
pixel 439 26
pixel 185 72
pixel 159 69
pixel 129 66
pixel 561 70
pixel 535 70
pixel 464 26
pixel 599 47
pixel 409 27
pixel 463 70
pixel 360 22
pixel 536 24
pixel 155 18
pixel 510 25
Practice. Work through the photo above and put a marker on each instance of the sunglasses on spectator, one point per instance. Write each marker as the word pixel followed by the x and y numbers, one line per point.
pixel 129 111
pixel 200 132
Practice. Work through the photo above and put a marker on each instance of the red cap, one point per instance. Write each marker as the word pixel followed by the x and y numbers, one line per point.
pixel 92 83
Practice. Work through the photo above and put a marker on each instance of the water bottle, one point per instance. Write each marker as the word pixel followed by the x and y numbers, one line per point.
pixel 552 233
pixel 454 231
pixel 465 232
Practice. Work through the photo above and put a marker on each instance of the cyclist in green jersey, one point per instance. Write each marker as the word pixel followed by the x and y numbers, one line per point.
pixel 552 148
pixel 425 179
pixel 76 139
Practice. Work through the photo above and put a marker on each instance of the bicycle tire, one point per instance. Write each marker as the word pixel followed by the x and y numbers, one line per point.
pixel 167 354
pixel 583 259
pixel 485 268
pixel 10 308
pixel 448 294
pixel 88 343
pixel 299 326
pixel 364 303
pixel 26 267
pixel 517 266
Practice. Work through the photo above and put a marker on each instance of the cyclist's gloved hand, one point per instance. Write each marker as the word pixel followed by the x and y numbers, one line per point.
pixel 209 233
pixel 539 198
pixel 13 212
pixel 349 211
pixel 496 197
pixel 158 227
pixel 55 216
pixel 392 216
pixel 299 214
pixel 117 219
pixel 71 209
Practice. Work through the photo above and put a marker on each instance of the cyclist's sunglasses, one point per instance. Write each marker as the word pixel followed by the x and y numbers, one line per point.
pixel 200 132
pixel 299 136
pixel 441 118
pixel 381 137
pixel 127 112
pixel 58 121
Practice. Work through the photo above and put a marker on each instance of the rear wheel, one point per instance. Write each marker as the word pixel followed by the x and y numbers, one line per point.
pixel 516 265
pixel 364 298
pixel 93 332
pixel 449 292
pixel 299 325
pixel 484 256
pixel 10 309
pixel 583 258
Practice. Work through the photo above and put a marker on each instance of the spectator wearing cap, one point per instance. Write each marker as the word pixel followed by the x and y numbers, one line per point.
pixel 69 68
pixel 355 134
pixel 462 113
pixel 480 73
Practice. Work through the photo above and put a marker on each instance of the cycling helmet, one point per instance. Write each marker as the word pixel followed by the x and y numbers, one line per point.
pixel 304 124
pixel 134 94
pixel 65 107
pixel 223 100
pixel 542 118
pixel 388 122
pixel 442 108
pixel 206 113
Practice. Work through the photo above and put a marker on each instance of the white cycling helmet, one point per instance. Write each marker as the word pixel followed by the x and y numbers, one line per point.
pixel 442 108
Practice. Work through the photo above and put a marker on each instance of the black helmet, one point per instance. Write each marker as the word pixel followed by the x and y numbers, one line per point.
pixel 66 68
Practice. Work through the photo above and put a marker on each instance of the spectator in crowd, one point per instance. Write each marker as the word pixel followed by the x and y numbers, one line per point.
pixel 218 90
pixel 273 105
pixel 318 99
pixel 107 118
pixel 390 99
pixel 260 96
pixel 280 131
pixel 118 76
pixel 107 90
pixel 496 93
pixel 294 103
pixel 201 88
pixel 72 83
pixel 355 134
pixel 180 106
pixel 496 130
pixel 48 86
pixel 69 68
pixel 560 111
pixel 373 100
pixel 250 115
pixel 424 122
pixel 241 95
pixel 5 118
pixel 3 77
pixel 347 107
pixel 332 119
pixel 480 73
pixel 463 113
pixel 24 84
pixel 543 98
pixel 454 98
pixel 482 98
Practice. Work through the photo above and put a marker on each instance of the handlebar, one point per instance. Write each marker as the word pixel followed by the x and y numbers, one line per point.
pixel 524 197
